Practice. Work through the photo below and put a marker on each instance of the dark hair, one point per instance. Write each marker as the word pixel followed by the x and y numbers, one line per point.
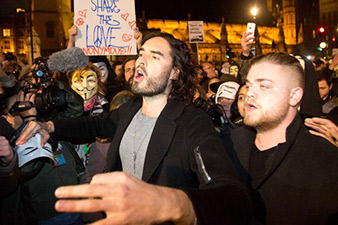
pixel 324 75
pixel 284 60
pixel 235 115
pixel 127 60
pixel 182 88
pixel 234 63
pixel 116 63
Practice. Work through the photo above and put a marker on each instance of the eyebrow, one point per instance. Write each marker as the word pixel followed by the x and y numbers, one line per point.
pixel 264 79
pixel 153 51
pixel 259 80
pixel 81 76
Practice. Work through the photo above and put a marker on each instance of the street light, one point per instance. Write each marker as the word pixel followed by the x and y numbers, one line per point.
pixel 321 30
pixel 254 12
pixel 322 45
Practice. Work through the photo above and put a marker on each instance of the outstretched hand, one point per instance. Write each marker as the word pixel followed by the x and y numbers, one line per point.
pixel 126 200
pixel 34 127
pixel 324 128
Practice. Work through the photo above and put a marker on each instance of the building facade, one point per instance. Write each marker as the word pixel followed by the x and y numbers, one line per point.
pixel 52 19
pixel 328 10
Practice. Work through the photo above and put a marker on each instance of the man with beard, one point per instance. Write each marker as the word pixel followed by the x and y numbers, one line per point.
pixel 291 174
pixel 174 166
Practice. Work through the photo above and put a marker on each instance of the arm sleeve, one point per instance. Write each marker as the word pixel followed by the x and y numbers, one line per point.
pixel 102 126
pixel 9 176
pixel 244 68
pixel 221 198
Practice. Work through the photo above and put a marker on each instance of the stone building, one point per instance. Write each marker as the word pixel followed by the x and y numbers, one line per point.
pixel 294 29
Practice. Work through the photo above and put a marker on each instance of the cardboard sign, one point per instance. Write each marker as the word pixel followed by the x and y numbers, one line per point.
pixel 196 34
pixel 105 27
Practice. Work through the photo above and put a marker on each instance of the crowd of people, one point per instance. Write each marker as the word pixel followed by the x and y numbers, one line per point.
pixel 163 139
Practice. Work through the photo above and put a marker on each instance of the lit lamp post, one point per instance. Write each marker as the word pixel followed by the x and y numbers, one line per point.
pixel 254 12
pixel 322 45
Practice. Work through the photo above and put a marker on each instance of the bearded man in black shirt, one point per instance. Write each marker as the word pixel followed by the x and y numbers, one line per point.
pixel 292 174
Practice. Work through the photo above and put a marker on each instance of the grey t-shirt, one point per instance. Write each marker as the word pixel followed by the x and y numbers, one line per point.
pixel 134 144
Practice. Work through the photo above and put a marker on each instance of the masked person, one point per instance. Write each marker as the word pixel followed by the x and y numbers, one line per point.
pixel 107 75
pixel 87 83
pixel 233 70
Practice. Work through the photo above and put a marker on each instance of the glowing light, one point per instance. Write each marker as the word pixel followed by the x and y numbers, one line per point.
pixel 322 45
pixel 254 11
pixel 20 10
pixel 321 29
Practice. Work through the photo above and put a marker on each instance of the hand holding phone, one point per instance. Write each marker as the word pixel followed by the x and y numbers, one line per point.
pixel 251 28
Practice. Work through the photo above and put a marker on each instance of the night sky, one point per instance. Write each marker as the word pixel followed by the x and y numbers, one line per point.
pixel 234 11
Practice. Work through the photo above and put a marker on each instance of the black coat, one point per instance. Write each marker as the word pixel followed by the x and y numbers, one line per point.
pixel 182 141
pixel 301 186
pixel 9 174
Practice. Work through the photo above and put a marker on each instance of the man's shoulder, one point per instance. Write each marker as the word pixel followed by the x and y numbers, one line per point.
pixel 193 112
pixel 242 133
pixel 315 146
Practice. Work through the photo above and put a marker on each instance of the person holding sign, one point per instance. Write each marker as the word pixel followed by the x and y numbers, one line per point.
pixel 171 165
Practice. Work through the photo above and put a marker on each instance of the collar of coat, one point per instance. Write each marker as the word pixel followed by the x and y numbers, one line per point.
pixel 243 141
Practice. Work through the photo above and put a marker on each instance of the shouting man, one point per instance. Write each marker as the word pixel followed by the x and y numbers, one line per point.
pixel 291 174
pixel 161 140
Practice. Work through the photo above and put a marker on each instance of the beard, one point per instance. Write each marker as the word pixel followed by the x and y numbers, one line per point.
pixel 151 85
pixel 266 120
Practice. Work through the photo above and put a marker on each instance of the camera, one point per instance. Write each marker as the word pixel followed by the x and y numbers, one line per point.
pixel 215 111
pixel 50 99
pixel 49 96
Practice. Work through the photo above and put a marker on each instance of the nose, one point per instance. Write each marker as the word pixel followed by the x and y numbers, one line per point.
pixel 141 60
pixel 251 93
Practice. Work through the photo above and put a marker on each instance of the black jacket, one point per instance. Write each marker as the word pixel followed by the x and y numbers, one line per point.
pixel 301 186
pixel 9 174
pixel 182 141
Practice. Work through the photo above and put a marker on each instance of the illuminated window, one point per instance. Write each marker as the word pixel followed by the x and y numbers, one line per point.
pixel 6 32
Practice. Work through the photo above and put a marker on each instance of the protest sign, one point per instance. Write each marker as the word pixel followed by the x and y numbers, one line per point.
pixel 105 27
pixel 196 32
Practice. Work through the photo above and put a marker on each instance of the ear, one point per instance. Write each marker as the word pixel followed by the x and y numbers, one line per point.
pixel 330 86
pixel 296 95
pixel 175 72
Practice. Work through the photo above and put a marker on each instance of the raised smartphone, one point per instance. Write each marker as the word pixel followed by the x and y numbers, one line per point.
pixel 251 28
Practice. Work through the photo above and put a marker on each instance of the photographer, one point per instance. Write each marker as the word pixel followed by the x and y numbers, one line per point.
pixel 56 163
